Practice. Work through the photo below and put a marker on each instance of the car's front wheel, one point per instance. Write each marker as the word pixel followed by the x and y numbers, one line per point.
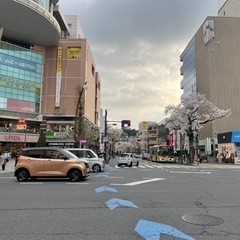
pixel 22 175
pixel 75 175
pixel 96 168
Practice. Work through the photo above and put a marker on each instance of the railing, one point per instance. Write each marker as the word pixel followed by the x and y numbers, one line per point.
pixel 13 130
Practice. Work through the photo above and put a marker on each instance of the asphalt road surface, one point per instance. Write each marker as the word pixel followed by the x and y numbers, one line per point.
pixel 152 201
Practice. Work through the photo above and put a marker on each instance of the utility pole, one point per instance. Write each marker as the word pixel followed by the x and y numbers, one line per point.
pixel 105 137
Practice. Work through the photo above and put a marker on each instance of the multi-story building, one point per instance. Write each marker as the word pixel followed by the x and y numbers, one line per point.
pixel 152 134
pixel 230 8
pixel 143 135
pixel 210 67
pixel 163 134
pixel 44 63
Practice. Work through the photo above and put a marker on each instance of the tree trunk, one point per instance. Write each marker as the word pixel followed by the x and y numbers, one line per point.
pixel 191 147
pixel 191 151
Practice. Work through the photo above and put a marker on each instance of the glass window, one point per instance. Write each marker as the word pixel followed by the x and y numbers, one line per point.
pixel 20 77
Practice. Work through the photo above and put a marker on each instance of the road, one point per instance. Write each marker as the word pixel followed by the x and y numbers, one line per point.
pixel 152 201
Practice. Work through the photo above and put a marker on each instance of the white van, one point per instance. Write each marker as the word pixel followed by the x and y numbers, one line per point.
pixel 96 164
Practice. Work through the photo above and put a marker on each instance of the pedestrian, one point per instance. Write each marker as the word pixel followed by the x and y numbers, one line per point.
pixel 4 161
pixel 200 157
pixel 16 157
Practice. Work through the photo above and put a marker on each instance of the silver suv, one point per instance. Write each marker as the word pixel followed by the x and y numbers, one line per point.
pixel 96 164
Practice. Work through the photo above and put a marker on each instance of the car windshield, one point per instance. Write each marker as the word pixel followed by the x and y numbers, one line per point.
pixel 69 154
pixel 83 153
pixel 91 154
pixel 124 155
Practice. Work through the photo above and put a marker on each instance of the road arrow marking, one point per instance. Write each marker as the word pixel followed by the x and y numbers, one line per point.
pixel 152 230
pixel 139 182
pixel 104 188
pixel 115 202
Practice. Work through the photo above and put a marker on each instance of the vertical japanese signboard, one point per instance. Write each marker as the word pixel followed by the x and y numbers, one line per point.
pixel 58 77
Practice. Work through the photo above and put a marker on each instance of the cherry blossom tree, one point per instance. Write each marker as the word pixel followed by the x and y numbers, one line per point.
pixel 190 115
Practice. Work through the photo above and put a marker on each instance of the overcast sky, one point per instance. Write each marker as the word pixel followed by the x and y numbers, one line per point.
pixel 136 46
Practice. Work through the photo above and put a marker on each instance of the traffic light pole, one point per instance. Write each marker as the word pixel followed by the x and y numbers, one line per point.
pixel 123 122
pixel 105 137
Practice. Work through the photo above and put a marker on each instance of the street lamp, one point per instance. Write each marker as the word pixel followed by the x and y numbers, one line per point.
pixel 79 113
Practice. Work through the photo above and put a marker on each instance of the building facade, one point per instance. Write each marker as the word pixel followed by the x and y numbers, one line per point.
pixel 43 69
pixel 230 8
pixel 210 67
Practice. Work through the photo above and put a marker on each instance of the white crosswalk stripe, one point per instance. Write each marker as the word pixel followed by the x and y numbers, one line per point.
pixel 148 166
pixel 161 166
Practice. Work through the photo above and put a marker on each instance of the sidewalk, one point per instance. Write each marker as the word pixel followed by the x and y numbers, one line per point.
pixel 217 165
pixel 9 167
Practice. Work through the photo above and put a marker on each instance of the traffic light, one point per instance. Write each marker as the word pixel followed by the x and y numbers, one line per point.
pixel 126 122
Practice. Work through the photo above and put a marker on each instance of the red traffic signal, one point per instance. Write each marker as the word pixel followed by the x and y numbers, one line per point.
pixel 126 122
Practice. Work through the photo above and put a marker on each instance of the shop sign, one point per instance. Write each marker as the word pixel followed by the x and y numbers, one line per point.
pixel 236 136
pixel 20 126
pixel 60 144
pixel 56 134
pixel 12 137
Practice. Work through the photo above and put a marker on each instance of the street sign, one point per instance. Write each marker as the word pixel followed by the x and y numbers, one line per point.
pixel 21 121
pixel 21 126
pixel 105 139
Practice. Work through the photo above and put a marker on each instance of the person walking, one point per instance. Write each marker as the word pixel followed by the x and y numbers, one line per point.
pixel 16 157
pixel 4 161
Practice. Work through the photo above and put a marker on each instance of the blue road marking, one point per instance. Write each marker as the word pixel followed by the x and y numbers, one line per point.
pixel 153 230
pixel 104 188
pixel 115 202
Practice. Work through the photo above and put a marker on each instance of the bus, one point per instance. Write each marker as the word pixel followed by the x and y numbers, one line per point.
pixel 162 153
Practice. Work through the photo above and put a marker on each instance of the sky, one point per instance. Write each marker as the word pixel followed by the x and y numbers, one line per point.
pixel 136 46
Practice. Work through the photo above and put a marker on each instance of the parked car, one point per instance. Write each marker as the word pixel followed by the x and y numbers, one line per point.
pixel 127 159
pixel 44 162
pixel 96 164
pixel 145 156
pixel 137 155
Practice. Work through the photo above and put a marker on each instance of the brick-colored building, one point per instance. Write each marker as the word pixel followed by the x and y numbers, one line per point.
pixel 44 62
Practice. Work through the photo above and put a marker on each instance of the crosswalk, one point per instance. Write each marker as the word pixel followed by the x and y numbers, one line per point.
pixel 160 166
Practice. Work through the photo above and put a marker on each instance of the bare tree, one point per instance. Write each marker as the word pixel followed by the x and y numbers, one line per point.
pixel 190 115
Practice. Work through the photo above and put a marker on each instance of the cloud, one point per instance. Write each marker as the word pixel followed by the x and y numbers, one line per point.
pixel 136 45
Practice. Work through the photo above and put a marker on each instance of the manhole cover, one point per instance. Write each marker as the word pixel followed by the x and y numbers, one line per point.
pixel 201 219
